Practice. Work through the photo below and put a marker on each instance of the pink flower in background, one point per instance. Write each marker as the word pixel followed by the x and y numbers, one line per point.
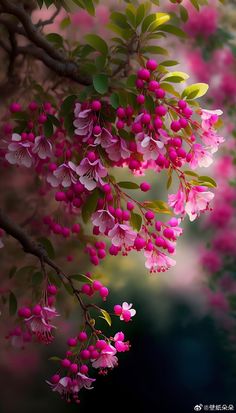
pixel 157 261
pixel 107 358
pixel 64 175
pixel 197 201
pixel 211 261
pixel 209 118
pixel 177 202
pixel 202 23
pixel 19 153
pixel 91 173
pixel 83 122
pixel 122 235
pixel 42 147
pixel 103 219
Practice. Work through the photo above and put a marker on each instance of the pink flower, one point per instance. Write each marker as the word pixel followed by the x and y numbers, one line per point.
pixel 212 140
pixel 63 387
pixel 19 153
pixel 42 147
pixel 91 173
pixel 118 149
pixel 127 312
pixel 200 157
pixel 157 261
pixel 107 358
pixel 83 122
pixel 120 345
pixel 64 175
pixel 122 235
pixel 149 147
pixel 209 118
pixel 105 139
pixel 177 202
pixel 41 325
pixel 103 219
pixel 197 201
pixel 84 381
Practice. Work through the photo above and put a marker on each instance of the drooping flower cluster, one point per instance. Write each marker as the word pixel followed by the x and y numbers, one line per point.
pixel 158 132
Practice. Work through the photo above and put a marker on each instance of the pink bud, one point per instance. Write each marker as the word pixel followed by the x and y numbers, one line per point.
pixel 60 196
pixel 97 285
pixel 96 105
pixel 117 309
pixel 52 289
pixel 65 363
pixel 37 309
pixel 15 107
pixel 55 379
pixel 85 354
pixel 72 342
pixel 145 186
pixel 149 215
pixel 104 292
pixel 101 344
pixel 82 336
pixel 74 368
pixel 75 228
pixel 84 369
pixel 151 65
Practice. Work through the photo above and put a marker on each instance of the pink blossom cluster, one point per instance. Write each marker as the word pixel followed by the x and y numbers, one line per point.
pixel 202 23
pixel 166 136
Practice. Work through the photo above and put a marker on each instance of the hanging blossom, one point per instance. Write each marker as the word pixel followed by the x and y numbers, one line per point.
pixel 40 323
pixel 19 152
pixel 91 172
pixel 83 122
pixel 64 175
pixel 42 147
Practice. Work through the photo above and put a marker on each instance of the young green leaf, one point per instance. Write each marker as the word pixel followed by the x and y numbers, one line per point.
pixel 100 83
pixel 195 91
pixel 106 316
pixel 128 185
pixel 97 43
pixel 136 221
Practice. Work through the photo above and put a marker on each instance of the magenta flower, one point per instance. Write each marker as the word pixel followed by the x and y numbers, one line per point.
pixel 107 358
pixel 197 201
pixel 91 173
pixel 212 140
pixel 103 219
pixel 177 202
pixel 83 122
pixel 122 235
pixel 41 324
pixel 42 147
pixel 127 312
pixel 64 175
pixel 63 387
pixel 19 153
pixel 120 345
pixel 158 261
pixel 105 139
pixel 209 118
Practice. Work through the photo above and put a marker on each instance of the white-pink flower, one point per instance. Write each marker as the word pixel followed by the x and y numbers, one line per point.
pixel 91 173
pixel 122 235
pixel 83 122
pixel 177 202
pixel 42 147
pixel 200 157
pixel 104 139
pixel 127 312
pixel 63 387
pixel 64 175
pixel 157 261
pixel 84 381
pixel 19 153
pixel 197 201
pixel 103 219
pixel 118 149
pixel 212 140
pixel 41 324
pixel 209 118
pixel 148 146
pixel 107 358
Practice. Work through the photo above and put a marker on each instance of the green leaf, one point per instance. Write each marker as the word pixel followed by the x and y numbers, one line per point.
pixel 54 358
pixel 12 272
pixel 114 99
pixel 170 89
pixel 56 39
pixel 173 30
pixel 120 20
pixel 97 43
pixel 68 104
pixel 140 14
pixel 207 180
pixel 12 304
pixel 195 4
pixel 154 50
pixel 37 278
pixel 158 206
pixel 175 77
pixel 54 279
pixel 48 128
pixel 90 205
pixel 65 22
pixel 106 316
pixel 128 185
pixel 190 173
pixel 100 83
pixel 195 91
pixel 81 278
pixel 169 63
pixel 183 13
pixel 147 22
pixel 68 288
pixel 47 245
pixel 136 221
pixel 89 6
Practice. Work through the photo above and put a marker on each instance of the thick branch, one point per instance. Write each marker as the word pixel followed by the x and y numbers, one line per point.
pixel 67 69
pixel 31 30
